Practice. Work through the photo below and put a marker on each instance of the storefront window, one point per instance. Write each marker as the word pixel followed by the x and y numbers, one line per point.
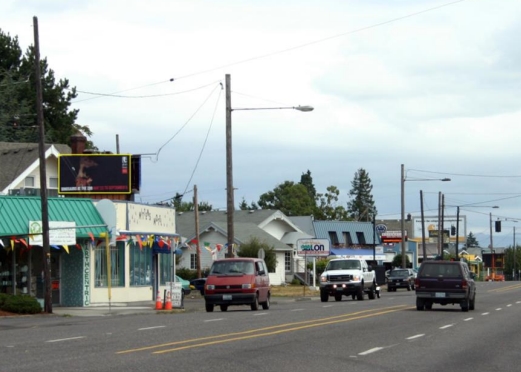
pixel 141 272
pixel 166 268
pixel 117 261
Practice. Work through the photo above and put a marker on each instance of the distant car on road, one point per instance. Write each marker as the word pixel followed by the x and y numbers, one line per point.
pixel 400 278
pixel 198 285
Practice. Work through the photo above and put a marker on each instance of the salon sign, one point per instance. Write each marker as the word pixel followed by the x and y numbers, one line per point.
pixel 60 233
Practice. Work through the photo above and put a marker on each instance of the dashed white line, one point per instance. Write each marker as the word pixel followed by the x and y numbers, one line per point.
pixel 260 314
pixel 327 306
pixel 297 310
pixel 147 328
pixel 370 351
pixel 214 320
pixel 65 339
pixel 509 305
pixel 466 320
pixel 518 302
pixel 499 309
pixel 485 313
pixel 446 326
pixel 415 336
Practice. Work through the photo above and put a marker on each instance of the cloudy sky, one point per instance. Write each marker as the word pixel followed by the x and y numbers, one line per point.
pixel 431 84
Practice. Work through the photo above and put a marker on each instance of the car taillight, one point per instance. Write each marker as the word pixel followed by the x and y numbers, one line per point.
pixel 464 284
pixel 416 282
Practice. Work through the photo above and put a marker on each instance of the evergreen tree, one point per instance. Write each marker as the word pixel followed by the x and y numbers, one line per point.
pixel 243 206
pixel 18 98
pixel 471 242
pixel 307 181
pixel 361 205
pixel 290 198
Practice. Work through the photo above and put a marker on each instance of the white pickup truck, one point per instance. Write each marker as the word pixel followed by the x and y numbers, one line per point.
pixel 348 277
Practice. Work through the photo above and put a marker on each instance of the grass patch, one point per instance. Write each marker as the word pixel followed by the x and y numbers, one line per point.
pixel 293 291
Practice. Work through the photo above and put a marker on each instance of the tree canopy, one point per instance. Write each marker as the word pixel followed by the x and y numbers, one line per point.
pixel 18 121
pixel 471 242
pixel 290 198
pixel 251 249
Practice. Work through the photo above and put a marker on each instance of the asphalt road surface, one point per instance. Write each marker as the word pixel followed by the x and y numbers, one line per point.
pixel 386 334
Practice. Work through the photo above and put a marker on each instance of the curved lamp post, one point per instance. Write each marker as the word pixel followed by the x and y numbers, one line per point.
pixel 230 208
pixel 402 225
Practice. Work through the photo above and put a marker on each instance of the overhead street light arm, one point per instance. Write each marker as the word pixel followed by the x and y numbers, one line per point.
pixel 298 108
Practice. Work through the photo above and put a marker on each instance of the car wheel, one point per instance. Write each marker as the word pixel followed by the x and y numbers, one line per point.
pixel 420 304
pixel 266 305
pixel 209 308
pixel 428 306
pixel 324 296
pixel 409 287
pixel 472 303
pixel 389 289
pixel 224 307
pixel 255 304
pixel 465 305
pixel 372 291
pixel 360 293
pixel 353 296
pixel 338 297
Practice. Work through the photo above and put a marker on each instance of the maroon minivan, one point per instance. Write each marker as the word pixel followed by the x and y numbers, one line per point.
pixel 237 281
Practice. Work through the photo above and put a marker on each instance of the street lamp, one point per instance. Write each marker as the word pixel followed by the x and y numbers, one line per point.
pixel 230 208
pixel 402 226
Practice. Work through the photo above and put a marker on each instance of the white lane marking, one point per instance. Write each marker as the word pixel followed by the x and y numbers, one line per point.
pixel 415 336
pixel 214 320
pixel 297 310
pixel 485 313
pixel 509 305
pixel 518 302
pixel 370 351
pixel 466 320
pixel 446 326
pixel 499 309
pixel 327 306
pixel 259 314
pixel 147 328
pixel 65 339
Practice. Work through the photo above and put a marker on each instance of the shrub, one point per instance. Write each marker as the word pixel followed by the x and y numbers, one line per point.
pixel 21 304
pixel 3 298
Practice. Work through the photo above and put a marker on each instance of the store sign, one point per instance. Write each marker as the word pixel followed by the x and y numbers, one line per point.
pixel 60 233
pixel 313 247
pixel 393 236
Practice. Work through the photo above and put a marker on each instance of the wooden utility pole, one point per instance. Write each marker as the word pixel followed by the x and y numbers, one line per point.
pixel 198 251
pixel 229 169
pixel 423 227
pixel 43 175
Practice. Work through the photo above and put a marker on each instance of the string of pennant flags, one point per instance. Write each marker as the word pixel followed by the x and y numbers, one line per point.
pixel 143 241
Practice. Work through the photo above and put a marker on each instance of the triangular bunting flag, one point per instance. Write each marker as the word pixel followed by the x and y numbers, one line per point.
pixel 66 248
pixel 78 246
pixel 91 236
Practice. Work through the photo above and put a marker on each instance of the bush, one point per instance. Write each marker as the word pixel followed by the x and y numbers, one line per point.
pixel 21 304
pixel 3 298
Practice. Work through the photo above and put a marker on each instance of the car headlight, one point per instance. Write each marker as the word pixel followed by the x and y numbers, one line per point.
pixel 356 278
pixel 210 287
pixel 323 279
pixel 247 286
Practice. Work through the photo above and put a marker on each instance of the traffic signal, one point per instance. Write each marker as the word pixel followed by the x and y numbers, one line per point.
pixel 498 226
pixel 453 230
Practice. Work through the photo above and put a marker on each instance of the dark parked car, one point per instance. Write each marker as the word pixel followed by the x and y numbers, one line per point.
pixel 445 282
pixel 198 284
pixel 400 278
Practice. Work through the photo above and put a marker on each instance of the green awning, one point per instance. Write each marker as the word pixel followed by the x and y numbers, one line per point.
pixel 17 211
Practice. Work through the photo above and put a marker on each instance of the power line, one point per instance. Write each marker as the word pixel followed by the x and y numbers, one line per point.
pixel 464 175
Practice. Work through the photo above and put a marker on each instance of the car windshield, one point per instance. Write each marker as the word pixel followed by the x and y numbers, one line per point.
pixel 403 273
pixel 441 270
pixel 343 265
pixel 232 267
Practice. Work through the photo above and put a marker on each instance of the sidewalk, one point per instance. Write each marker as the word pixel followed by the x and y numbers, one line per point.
pixel 191 303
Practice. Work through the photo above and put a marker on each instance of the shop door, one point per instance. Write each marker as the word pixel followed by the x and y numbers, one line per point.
pixel 55 276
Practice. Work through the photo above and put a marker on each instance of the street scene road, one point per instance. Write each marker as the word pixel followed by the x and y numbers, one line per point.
pixel 385 334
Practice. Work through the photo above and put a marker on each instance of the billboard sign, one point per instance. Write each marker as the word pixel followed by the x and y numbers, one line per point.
pixel 313 247
pixel 94 174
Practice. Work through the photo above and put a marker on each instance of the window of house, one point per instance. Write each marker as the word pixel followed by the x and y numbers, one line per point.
pixel 348 241
pixel 333 237
pixel 361 237
pixel 193 261
pixel 141 267
pixel 53 182
pixel 166 268
pixel 29 181
pixel 287 261
pixel 117 265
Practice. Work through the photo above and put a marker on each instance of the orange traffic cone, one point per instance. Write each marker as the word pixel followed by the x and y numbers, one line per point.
pixel 168 304
pixel 159 303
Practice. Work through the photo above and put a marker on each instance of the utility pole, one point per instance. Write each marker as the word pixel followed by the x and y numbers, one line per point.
pixel 439 226
pixel 442 224
pixel 402 222
pixel 423 228
pixel 457 232
pixel 43 175
pixel 198 249
pixel 229 169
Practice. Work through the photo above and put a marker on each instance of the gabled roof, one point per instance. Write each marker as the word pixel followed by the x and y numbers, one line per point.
pixel 17 160
pixel 17 211
pixel 185 221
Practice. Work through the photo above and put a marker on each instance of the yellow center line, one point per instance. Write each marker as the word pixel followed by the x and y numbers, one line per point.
pixel 508 288
pixel 296 325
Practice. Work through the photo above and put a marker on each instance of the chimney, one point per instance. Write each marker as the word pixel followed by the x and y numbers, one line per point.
pixel 78 141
